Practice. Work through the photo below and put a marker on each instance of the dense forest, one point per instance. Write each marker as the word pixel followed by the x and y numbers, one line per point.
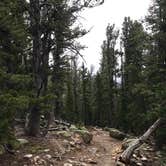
pixel 41 77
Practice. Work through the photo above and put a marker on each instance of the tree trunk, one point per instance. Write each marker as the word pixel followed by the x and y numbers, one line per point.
pixel 32 127
pixel 126 155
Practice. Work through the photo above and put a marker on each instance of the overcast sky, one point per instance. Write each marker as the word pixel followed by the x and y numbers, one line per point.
pixel 112 11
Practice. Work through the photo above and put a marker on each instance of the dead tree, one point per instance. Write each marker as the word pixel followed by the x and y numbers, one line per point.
pixel 126 155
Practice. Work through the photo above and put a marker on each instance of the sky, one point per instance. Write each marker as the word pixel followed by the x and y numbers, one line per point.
pixel 113 12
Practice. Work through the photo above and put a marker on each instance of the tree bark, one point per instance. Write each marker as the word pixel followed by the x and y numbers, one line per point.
pixel 126 155
pixel 32 126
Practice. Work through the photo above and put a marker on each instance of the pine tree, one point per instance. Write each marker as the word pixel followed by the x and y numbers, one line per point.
pixel 98 103
pixel 133 39
pixel 86 110
pixel 156 63
pixel 13 83
pixel 108 72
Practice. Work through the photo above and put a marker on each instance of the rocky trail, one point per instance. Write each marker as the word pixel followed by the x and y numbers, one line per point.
pixel 111 146
pixel 68 148
pixel 65 150
pixel 102 151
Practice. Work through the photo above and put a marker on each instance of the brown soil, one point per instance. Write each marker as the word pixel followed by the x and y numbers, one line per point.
pixel 101 152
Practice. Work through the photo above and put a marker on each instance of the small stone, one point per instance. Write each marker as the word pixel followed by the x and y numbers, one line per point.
pixel 48 156
pixel 83 164
pixel 67 164
pixel 93 150
pixel 144 159
pixel 90 161
pixel 36 158
pixel 139 164
pixel 46 150
pixel 97 155
pixel 28 156
pixel 134 155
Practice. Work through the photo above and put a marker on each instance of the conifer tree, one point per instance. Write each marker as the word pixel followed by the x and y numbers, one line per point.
pixel 12 82
pixel 108 71
pixel 156 63
pixel 133 39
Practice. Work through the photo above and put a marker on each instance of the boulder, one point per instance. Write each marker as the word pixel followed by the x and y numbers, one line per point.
pixel 82 128
pixel 65 134
pixel 86 135
pixel 73 128
pixel 115 133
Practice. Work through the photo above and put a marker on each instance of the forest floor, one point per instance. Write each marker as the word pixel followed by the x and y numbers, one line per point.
pixel 68 150
pixel 58 151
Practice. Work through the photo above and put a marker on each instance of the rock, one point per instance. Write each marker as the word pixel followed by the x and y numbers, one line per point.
pixel 73 128
pixel 39 161
pixel 28 156
pixel 91 161
pixel 22 141
pixel 116 133
pixel 119 164
pixel 86 135
pixel 134 155
pixel 127 142
pixel 65 134
pixel 72 143
pixel 46 150
pixel 83 128
pixel 93 150
pixel 66 144
pixel 68 164
pixel 139 164
pixel 36 158
pixel 48 156
pixel 106 128
pixel 83 164
pixel 144 159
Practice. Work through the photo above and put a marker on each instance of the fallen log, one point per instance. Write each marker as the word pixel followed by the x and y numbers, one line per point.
pixel 126 155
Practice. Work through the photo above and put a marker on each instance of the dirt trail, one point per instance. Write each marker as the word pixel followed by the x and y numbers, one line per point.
pixel 111 147
pixel 102 151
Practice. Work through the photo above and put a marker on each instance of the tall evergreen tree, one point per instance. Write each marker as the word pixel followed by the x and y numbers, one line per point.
pixel 156 63
pixel 108 72
pixel 12 83
pixel 133 39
